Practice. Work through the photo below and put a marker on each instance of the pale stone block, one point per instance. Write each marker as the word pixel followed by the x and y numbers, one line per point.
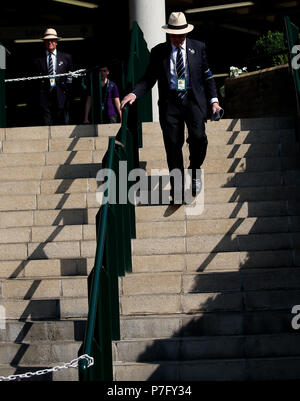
pixel 72 131
pixel 76 287
pixel 151 283
pixel 54 250
pixel 212 261
pixel 22 159
pixel 21 173
pixel 73 307
pixel 101 143
pixel 72 157
pixel 16 219
pixel 58 233
pixel 158 246
pixel 32 309
pixel 27 133
pixel 88 249
pixel 13 251
pixel 14 235
pixel 20 188
pixel 160 229
pixel 212 243
pixel 24 202
pixel 143 304
pixel 75 144
pixel 10 269
pixel 210 302
pixel 61 201
pixel 158 263
pixel 59 186
pixel 31 289
pixel 157 213
pixel 42 268
pixel 25 146
pixel 89 232
pixel 59 217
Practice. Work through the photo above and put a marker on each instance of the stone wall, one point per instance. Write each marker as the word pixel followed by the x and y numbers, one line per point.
pixel 263 93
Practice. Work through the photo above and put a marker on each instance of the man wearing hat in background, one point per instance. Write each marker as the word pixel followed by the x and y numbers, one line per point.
pixel 54 93
pixel 187 94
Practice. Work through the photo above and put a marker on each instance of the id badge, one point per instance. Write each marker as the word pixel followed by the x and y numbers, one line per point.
pixel 181 84
pixel 52 81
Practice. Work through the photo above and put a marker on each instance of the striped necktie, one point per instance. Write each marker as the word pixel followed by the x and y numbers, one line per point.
pixel 50 64
pixel 180 71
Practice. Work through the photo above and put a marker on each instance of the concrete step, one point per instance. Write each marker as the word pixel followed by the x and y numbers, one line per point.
pixel 215 243
pixel 48 250
pixel 79 131
pixel 207 347
pixel 254 369
pixel 47 217
pixel 47 331
pixel 38 352
pixel 224 150
pixel 219 211
pixel 46 309
pixel 215 323
pixel 161 304
pixel 92 199
pixel 37 173
pixel 54 287
pixel 194 303
pixel 40 268
pixel 222 165
pixel 221 137
pixel 188 282
pixel 212 180
pixel 216 262
pixel 242 124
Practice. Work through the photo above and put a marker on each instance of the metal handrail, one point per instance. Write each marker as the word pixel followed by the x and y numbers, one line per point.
pixel 115 225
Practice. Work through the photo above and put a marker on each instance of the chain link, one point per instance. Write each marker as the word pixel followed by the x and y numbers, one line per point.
pixel 74 74
pixel 72 364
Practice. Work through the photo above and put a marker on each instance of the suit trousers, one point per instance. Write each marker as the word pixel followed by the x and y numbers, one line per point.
pixel 51 113
pixel 173 114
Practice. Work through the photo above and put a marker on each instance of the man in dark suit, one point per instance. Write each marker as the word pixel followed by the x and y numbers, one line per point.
pixel 54 93
pixel 187 94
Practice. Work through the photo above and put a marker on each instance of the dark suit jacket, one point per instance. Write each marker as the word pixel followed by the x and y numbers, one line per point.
pixel 204 88
pixel 63 84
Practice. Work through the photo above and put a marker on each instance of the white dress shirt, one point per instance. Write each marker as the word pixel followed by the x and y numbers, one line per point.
pixel 173 57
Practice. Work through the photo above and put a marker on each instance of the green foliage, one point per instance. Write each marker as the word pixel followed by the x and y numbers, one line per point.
pixel 272 44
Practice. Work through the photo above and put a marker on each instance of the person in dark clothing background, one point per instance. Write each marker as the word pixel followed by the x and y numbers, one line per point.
pixel 110 98
pixel 54 93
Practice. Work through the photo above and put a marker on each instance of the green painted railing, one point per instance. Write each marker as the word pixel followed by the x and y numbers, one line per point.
pixel 292 36
pixel 115 225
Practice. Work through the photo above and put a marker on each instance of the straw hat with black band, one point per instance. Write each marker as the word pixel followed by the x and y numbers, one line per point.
pixel 177 24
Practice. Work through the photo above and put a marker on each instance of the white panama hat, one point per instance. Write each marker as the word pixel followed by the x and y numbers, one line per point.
pixel 177 24
pixel 50 33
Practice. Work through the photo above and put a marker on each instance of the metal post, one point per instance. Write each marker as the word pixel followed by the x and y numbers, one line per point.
pixel 2 88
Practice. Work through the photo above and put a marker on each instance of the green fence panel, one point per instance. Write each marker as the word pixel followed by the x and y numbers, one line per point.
pixel 292 34
pixel 2 99
pixel 115 227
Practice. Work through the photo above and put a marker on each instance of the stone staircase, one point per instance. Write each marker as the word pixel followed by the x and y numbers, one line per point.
pixel 210 296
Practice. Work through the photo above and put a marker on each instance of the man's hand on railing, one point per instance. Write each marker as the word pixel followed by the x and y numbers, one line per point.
pixel 130 98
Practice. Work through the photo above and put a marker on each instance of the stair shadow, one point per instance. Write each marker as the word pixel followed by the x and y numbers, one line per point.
pixel 50 308
pixel 226 311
